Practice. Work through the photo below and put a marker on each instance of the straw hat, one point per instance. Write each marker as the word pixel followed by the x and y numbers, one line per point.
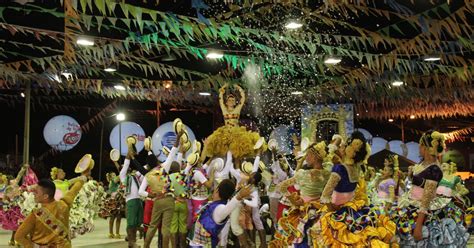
pixel 193 159
pixel 148 144
pixel 247 167
pixel 86 163
pixel 178 125
pixel 114 155
pixel 217 164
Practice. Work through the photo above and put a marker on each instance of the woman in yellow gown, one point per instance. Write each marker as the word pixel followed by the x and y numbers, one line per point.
pixel 347 220
pixel 231 137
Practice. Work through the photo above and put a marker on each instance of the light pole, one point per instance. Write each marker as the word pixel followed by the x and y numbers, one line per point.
pixel 120 117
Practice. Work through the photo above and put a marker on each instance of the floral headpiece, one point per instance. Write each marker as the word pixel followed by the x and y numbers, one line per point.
pixel 453 168
pixel 54 173
pixel 437 144
pixel 351 150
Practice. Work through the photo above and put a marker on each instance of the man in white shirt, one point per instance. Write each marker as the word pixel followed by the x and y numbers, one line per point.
pixel 214 215
pixel 134 203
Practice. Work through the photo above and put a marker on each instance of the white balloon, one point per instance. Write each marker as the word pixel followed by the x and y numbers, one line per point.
pixel 378 144
pixel 126 129
pixel 413 151
pixel 367 134
pixel 62 132
pixel 164 136
pixel 282 136
pixel 396 147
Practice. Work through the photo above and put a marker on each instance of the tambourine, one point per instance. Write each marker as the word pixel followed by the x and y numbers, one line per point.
pixel 114 155
pixel 259 143
pixel 247 167
pixel 193 159
pixel 217 164
pixel 86 163
pixel 147 143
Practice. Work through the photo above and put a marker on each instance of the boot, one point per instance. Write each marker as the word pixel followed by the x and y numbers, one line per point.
pixel 243 241
pixel 132 237
pixel 263 238
pixel 182 240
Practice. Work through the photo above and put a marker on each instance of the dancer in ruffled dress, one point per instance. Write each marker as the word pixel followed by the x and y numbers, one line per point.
pixel 347 220
pixel 423 219
pixel 388 186
pixel 11 215
pixel 231 136
pixel 114 205
pixel 292 229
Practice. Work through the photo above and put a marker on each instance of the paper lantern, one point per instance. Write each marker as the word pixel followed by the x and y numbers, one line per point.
pixel 398 147
pixel 378 144
pixel 164 135
pixel 125 129
pixel 282 135
pixel 62 132
pixel 413 151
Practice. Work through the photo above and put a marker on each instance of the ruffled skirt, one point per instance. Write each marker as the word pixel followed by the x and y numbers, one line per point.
pixel 11 217
pixel 353 225
pixel 442 228
pixel 238 140
pixel 113 205
pixel 293 228
pixel 85 208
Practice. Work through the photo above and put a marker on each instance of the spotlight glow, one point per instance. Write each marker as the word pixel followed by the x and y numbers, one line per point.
pixel 214 55
pixel 293 25
pixel 84 42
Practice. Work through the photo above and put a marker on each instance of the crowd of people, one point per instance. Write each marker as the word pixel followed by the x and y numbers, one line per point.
pixel 220 193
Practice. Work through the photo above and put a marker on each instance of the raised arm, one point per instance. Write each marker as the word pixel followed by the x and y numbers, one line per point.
pixel 228 164
pixel 253 203
pixel 221 97
pixel 123 171
pixel 256 163
pixel 21 173
pixel 242 97
pixel 73 191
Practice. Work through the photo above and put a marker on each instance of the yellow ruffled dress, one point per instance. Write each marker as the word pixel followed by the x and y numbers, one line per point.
pixel 353 224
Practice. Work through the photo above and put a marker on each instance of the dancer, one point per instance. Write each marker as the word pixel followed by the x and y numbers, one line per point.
pixel 346 219
pixel 421 215
pixel 212 217
pixel 388 186
pixel 114 205
pixel 164 204
pixel 134 204
pixel 310 180
pixel 48 226
pixel 11 214
pixel 241 220
pixel 278 176
pixel 178 227
pixel 231 136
